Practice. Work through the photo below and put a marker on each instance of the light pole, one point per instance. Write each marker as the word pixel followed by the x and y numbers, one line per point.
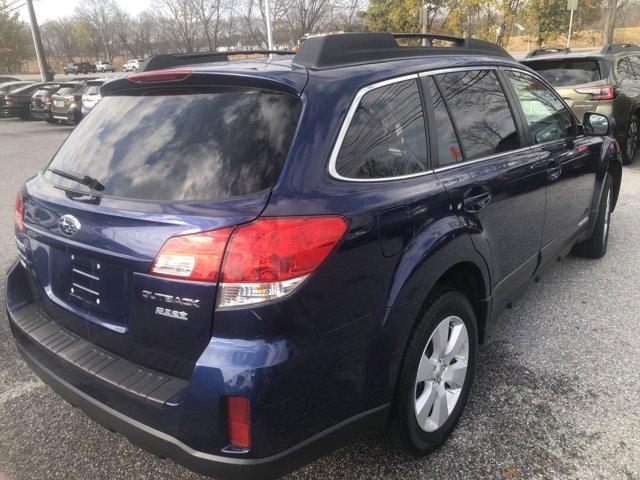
pixel 573 6
pixel 37 43
pixel 269 35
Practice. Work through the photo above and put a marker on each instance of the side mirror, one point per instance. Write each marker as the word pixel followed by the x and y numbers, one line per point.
pixel 598 124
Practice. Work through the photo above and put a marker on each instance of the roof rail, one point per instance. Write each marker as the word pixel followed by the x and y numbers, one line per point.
pixel 546 51
pixel 612 48
pixel 337 50
pixel 170 60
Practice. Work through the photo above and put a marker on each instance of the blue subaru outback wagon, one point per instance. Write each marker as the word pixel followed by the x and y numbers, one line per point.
pixel 243 265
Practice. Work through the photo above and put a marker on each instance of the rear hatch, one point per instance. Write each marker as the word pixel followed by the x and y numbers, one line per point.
pixel 147 166
pixel 577 80
pixel 62 100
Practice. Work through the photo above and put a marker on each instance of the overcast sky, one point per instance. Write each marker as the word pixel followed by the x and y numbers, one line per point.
pixel 49 9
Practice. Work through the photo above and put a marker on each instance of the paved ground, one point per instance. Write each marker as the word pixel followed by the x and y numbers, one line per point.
pixel 556 393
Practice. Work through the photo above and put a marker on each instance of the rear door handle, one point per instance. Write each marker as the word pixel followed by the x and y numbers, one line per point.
pixel 554 171
pixel 476 199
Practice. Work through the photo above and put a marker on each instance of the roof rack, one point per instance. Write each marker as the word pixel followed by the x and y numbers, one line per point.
pixel 170 60
pixel 612 48
pixel 336 50
pixel 546 51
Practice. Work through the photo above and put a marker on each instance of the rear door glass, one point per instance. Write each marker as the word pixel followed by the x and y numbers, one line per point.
pixel 207 145
pixel 567 72
pixel 480 111
pixel 448 146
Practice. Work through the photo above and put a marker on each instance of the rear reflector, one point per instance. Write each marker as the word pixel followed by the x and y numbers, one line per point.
pixel 18 212
pixel 192 257
pixel 239 422
pixel 600 92
pixel 270 257
pixel 160 76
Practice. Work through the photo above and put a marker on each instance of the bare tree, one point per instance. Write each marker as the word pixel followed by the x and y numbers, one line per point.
pixel 99 14
pixel 209 14
pixel 309 16
pixel 180 20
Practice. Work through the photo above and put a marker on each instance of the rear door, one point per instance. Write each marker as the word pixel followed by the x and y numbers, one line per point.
pixel 143 169
pixel 494 181
pixel 569 159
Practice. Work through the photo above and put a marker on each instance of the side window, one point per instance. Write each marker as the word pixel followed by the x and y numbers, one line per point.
pixel 624 69
pixel 547 117
pixel 386 136
pixel 480 111
pixel 448 146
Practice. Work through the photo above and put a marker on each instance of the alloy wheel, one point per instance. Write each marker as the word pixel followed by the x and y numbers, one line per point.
pixel 441 373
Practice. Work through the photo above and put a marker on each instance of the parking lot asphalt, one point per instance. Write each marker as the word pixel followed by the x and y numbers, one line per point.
pixel 556 393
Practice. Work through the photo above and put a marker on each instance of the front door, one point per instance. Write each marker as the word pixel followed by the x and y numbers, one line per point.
pixel 570 161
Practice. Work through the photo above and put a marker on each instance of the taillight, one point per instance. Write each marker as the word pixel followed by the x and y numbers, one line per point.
pixel 160 76
pixel 18 212
pixel 263 260
pixel 239 421
pixel 600 92
pixel 270 257
pixel 47 100
pixel 192 257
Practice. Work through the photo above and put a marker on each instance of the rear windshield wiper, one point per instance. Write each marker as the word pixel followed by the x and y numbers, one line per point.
pixel 90 182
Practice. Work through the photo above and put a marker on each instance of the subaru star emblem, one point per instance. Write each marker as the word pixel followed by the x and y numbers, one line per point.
pixel 68 225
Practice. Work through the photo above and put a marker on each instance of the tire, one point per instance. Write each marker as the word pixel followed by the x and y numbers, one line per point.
pixel 631 141
pixel 443 308
pixel 51 120
pixel 596 245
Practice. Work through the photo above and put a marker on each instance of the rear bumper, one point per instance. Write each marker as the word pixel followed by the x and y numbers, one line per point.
pixel 40 114
pixel 190 426
pixel 164 445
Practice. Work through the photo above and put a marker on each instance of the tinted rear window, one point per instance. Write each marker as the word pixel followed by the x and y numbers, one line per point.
pixel 65 91
pixel 562 73
pixel 180 147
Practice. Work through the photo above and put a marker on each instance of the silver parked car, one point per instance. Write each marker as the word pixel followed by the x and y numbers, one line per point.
pixel 105 67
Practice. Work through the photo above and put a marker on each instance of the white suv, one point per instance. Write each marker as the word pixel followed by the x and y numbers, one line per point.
pixel 132 65
pixel 105 67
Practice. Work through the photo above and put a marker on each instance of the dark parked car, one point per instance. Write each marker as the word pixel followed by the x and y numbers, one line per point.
pixel 243 267
pixel 67 102
pixel 82 67
pixel 6 87
pixel 17 102
pixel 41 102
pixel 604 81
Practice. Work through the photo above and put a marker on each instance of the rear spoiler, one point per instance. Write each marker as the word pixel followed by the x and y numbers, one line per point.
pixel 172 60
pixel 538 52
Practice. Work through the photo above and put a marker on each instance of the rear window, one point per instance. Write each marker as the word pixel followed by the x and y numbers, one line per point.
pixel 65 91
pixel 181 147
pixel 562 73
pixel 92 90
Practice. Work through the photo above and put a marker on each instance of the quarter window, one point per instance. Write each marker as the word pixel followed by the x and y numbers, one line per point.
pixel 634 60
pixel 547 117
pixel 386 137
pixel 480 111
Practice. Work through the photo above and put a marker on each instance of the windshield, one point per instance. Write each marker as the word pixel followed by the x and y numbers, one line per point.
pixel 567 72
pixel 181 147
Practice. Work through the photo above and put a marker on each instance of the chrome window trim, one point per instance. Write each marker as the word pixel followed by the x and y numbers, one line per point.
pixel 356 102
